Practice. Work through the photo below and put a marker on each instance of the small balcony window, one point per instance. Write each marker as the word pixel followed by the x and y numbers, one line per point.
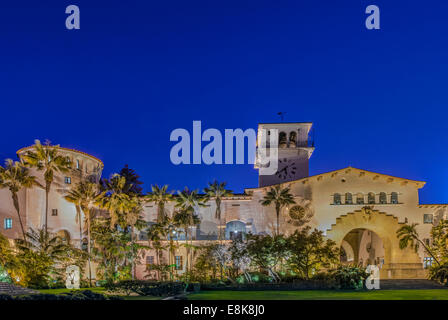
pixel 428 218
pixel 7 223
pixel 394 198
pixel 149 259
pixel 383 198
pixel 371 198
pixel 337 198
pixel 348 198
pixel 359 198
pixel 427 262
pixel 68 180
pixel 179 262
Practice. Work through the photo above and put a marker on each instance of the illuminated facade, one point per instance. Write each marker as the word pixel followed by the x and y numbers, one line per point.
pixel 359 209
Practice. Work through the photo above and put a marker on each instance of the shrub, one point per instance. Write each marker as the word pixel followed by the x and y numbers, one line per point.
pixel 348 277
pixel 439 273
pixel 147 288
pixel 71 296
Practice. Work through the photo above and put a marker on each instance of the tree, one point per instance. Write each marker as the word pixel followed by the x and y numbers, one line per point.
pixel 190 201
pixel 124 207
pixel 156 233
pixel 15 176
pixel 280 197
pixel 160 196
pixel 186 218
pixel 85 196
pixel 408 236
pixel 266 252
pixel 40 255
pixel 47 159
pixel 133 182
pixel 217 191
pixel 439 235
pixel 308 252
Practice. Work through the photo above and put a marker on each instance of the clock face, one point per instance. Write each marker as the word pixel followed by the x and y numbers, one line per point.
pixel 287 169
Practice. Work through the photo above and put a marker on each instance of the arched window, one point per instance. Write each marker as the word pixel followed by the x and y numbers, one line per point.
pixel 394 197
pixel 348 198
pixel 383 198
pixel 64 235
pixel 293 139
pixel 235 230
pixel 371 198
pixel 282 139
pixel 359 198
pixel 336 198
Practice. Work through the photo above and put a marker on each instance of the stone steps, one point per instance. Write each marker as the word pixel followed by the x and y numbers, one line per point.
pixel 403 284
pixel 10 289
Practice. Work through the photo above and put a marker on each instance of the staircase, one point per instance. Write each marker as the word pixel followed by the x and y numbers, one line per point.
pixel 406 284
pixel 12 290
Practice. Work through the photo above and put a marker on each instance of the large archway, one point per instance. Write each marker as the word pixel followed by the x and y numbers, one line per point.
pixel 398 263
pixel 362 247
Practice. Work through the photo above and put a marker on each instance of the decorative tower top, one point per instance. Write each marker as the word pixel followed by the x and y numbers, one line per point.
pixel 295 147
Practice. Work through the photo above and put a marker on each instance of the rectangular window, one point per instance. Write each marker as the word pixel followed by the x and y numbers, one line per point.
pixel 54 212
pixel 427 262
pixel 68 180
pixel 179 262
pixel 149 259
pixel 8 223
pixel 78 165
pixel 427 218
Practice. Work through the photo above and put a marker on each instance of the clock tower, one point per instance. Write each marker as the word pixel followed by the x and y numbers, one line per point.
pixel 295 147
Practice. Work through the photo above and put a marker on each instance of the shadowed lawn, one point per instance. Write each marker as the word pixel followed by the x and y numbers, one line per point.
pixel 65 290
pixel 435 294
pixel 97 290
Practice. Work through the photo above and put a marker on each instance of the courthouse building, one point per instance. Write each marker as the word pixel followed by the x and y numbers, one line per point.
pixel 360 210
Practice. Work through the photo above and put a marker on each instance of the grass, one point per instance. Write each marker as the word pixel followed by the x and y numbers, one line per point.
pixel 435 294
pixel 64 290
pixel 97 290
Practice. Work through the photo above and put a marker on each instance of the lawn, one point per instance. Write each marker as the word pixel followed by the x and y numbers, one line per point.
pixel 435 294
pixel 97 290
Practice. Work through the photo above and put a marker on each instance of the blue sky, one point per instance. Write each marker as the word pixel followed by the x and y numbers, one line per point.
pixel 136 70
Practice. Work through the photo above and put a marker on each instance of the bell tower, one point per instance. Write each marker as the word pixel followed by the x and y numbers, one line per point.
pixel 295 147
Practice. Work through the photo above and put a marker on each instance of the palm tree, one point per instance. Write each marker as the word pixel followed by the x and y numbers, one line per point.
pixel 15 176
pixel 160 196
pixel 185 218
pixel 44 242
pixel 85 196
pixel 123 205
pixel 189 201
pixel 408 236
pixel 156 233
pixel 218 191
pixel 281 197
pixel 47 159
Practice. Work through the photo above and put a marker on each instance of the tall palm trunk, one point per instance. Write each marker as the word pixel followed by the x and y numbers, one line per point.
pixel 277 211
pixel 132 261
pixel 88 249
pixel 188 249
pixel 47 192
pixel 15 199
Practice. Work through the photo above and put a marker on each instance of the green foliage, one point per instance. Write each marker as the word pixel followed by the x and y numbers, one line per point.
pixel 147 288
pixel 309 252
pixel 75 295
pixel 439 273
pixel 348 277
pixel 439 234
pixel 280 197
pixel 43 258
